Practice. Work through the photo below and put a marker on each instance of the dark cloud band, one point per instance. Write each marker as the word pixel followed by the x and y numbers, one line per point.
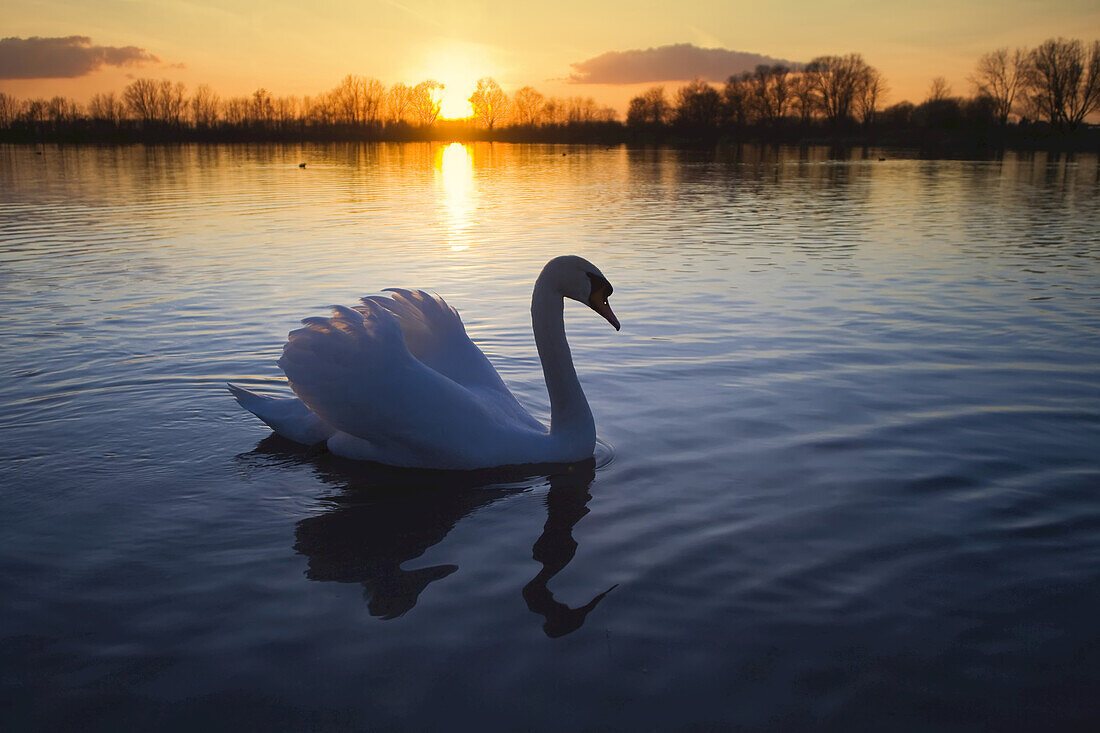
pixel 678 62
pixel 63 58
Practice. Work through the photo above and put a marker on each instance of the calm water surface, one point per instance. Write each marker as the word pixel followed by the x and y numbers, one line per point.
pixel 849 479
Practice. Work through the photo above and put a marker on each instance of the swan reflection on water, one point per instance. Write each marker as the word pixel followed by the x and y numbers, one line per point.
pixel 385 517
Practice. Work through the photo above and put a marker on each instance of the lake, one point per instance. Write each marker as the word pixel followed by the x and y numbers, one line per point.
pixel 847 477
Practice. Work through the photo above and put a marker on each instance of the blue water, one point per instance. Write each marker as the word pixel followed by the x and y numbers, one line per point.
pixel 849 476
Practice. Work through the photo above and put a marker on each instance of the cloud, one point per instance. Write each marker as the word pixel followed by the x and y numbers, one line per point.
pixel 63 58
pixel 667 63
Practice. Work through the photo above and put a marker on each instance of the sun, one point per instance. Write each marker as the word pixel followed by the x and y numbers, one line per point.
pixel 455 103
pixel 457 67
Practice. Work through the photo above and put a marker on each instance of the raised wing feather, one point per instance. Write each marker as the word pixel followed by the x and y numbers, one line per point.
pixel 434 334
pixel 356 372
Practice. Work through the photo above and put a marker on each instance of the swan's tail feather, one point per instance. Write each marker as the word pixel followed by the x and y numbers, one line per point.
pixel 287 416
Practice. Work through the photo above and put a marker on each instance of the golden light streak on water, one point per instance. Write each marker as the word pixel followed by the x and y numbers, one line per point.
pixel 455 169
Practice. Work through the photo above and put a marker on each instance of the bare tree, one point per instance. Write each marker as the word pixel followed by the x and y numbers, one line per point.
pixel 771 91
pixel 489 101
pixel 651 107
pixel 261 107
pixel 527 105
pixel 62 110
pixel 171 101
pixel 1063 81
pixel 106 108
pixel 235 110
pixel 698 104
pixel 836 81
pixel 555 111
pixel 1000 75
pixel 938 90
pixel 373 104
pixel 141 98
pixel 804 97
pixel 322 109
pixel 399 102
pixel 581 110
pixel 425 102
pixel 33 111
pixel 737 106
pixel 349 95
pixel 287 111
pixel 204 106
pixel 9 108
pixel 606 114
pixel 870 92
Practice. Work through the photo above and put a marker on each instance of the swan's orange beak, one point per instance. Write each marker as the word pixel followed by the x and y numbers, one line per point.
pixel 605 310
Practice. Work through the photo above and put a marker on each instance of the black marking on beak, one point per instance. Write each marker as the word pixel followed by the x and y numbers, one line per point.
pixel 597 300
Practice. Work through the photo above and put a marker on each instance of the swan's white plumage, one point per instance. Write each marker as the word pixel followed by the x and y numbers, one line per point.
pixel 397 380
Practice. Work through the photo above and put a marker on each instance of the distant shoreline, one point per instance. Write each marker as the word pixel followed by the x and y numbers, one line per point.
pixel 980 143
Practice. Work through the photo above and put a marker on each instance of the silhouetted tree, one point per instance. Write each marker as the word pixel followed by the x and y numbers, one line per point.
pixel 106 108
pixel 771 92
pixel 804 97
pixel 737 108
pixel 837 81
pixel 1000 75
pixel 555 111
pixel 938 90
pixel 582 110
pixel 528 106
pixel 399 103
pixel 869 94
pixel 62 111
pixel 235 110
pixel 374 100
pixel 941 113
pixel 980 113
pixel 33 111
pixel 261 108
pixel 489 101
pixel 322 109
pixel 898 116
pixel 288 111
pixel 141 98
pixel 1063 81
pixel 425 102
pixel 348 95
pixel 204 106
pixel 171 102
pixel 651 107
pixel 698 105
pixel 9 109
pixel 607 114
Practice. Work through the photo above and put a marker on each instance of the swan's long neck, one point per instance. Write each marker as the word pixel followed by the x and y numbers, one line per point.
pixel 570 416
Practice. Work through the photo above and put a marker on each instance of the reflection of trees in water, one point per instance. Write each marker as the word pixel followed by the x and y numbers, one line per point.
pixel 383 518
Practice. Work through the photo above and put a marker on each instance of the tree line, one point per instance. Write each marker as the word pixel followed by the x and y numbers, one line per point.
pixel 1050 89
pixel 1056 84
pixel 357 106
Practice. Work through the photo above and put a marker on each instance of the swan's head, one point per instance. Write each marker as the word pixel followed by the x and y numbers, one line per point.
pixel 577 278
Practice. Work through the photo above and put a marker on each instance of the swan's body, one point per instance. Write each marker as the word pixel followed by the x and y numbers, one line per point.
pixel 396 380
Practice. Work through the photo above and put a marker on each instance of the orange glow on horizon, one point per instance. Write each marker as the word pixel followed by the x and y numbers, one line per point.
pixel 455 103
pixel 457 66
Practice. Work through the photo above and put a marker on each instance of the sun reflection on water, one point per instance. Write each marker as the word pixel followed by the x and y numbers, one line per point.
pixel 455 168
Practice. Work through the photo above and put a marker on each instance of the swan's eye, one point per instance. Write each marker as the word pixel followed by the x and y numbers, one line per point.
pixel 601 288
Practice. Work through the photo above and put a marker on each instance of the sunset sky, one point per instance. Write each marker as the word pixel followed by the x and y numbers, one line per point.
pixel 304 48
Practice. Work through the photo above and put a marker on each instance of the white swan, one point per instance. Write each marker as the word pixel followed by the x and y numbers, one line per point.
pixel 396 380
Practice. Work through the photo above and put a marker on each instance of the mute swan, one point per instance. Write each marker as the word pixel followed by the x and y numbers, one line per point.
pixel 396 380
